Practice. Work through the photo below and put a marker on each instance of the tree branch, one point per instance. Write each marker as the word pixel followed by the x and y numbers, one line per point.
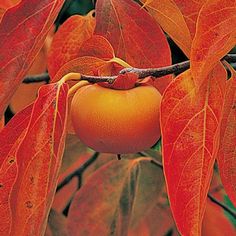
pixel 142 73
pixel 37 78
pixel 78 172
pixel 158 72
pixel 226 208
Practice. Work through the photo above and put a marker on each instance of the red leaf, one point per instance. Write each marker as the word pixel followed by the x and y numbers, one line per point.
pixel 215 222
pixel 95 57
pixel 120 194
pixel 85 65
pixel 133 33
pixel 2 122
pixel 56 224
pixel 27 93
pixel 35 158
pixel 68 40
pixel 97 46
pixel 189 123
pixel 215 36
pixel 227 150
pixel 190 10
pixel 157 222
pixel 10 138
pixel 171 19
pixel 23 30
pixel 75 154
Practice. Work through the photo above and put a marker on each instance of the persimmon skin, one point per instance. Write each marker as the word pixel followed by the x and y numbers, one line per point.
pixel 116 121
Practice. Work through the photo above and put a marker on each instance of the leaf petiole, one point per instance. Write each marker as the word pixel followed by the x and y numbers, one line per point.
pixel 70 76
pixel 120 62
pixel 77 86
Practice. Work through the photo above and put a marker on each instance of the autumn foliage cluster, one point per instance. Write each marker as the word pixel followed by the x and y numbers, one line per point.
pixel 59 173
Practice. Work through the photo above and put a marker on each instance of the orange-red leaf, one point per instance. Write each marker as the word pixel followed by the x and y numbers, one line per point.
pixel 97 46
pixel 68 40
pixel 10 137
pixel 32 160
pixel 85 65
pixel 171 19
pixel 157 222
pixel 190 10
pixel 4 5
pixel 56 224
pixel 215 36
pixel 75 154
pixel 133 33
pixel 2 11
pixel 2 122
pixel 96 57
pixel 8 3
pixel 27 93
pixel 120 194
pixel 215 222
pixel 189 123
pixel 41 152
pixel 227 149
pixel 23 30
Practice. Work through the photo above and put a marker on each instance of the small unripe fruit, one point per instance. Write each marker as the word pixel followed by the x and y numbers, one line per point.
pixel 116 121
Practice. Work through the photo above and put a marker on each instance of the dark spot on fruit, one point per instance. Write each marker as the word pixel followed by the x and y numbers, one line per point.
pixel 1 185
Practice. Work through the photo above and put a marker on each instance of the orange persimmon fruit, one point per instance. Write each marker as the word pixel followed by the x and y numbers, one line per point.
pixel 116 121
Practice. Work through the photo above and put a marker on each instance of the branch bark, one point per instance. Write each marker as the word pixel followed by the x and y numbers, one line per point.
pixel 142 73
pixel 37 78
pixel 79 171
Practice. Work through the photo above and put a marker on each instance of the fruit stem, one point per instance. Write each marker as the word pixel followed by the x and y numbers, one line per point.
pixel 120 62
pixel 77 86
pixel 119 157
